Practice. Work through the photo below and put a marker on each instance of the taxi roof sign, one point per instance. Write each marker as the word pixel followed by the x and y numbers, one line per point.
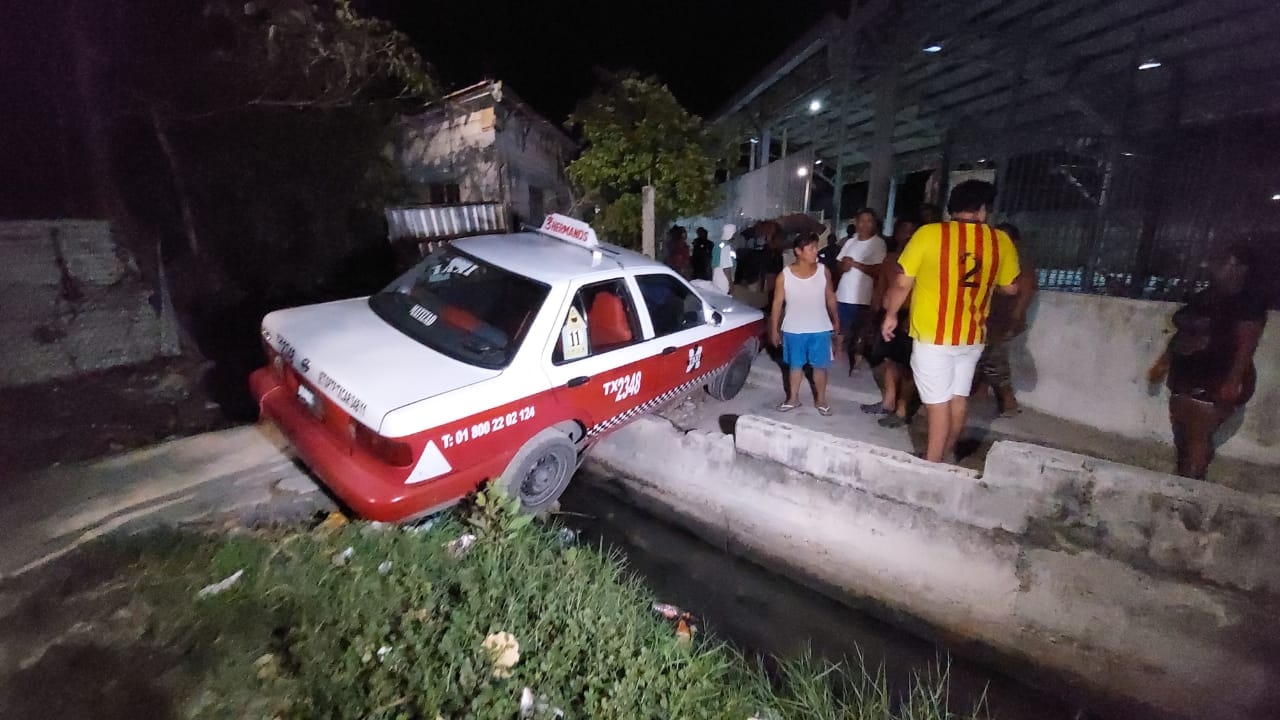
pixel 569 230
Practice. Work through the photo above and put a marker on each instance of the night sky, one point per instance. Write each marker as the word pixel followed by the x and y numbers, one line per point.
pixel 704 50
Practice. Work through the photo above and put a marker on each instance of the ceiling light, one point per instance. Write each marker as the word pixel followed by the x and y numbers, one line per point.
pixel 1127 154
pixel 1149 64
pixel 934 48
pixel 802 171
pixel 755 141
pixel 815 106
pixel 818 161
pixel 1276 197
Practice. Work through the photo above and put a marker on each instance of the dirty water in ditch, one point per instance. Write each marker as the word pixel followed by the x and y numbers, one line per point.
pixel 767 615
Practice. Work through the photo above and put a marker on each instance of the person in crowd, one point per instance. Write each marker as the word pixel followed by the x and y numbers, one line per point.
pixel 700 258
pixel 1208 364
pixel 860 261
pixel 929 214
pixel 898 394
pixel 950 270
pixel 803 320
pixel 723 258
pixel 678 250
pixel 1008 320
pixel 829 255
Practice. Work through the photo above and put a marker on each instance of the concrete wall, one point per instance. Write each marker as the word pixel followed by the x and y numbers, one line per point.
pixel 535 156
pixel 1139 585
pixel 1085 358
pixel 495 154
pixel 454 148
pixel 73 301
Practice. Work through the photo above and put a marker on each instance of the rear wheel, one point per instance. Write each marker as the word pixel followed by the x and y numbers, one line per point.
pixel 541 470
pixel 731 380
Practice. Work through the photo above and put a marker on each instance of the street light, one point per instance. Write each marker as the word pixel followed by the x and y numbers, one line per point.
pixel 1149 64
pixel 931 49
pixel 815 105
pixel 802 171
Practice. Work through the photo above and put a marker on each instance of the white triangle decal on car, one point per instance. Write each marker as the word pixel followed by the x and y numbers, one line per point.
pixel 431 464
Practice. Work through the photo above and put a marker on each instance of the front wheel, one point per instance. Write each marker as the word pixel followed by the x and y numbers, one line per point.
pixel 731 380
pixel 541 470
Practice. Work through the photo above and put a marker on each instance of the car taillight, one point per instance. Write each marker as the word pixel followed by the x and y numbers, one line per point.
pixel 392 452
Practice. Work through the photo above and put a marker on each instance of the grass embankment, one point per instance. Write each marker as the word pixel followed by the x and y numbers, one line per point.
pixel 396 628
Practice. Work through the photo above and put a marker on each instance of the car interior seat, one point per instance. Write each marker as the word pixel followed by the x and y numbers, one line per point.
pixel 607 324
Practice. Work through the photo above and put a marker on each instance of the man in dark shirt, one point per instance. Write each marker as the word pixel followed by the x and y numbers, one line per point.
pixel 701 256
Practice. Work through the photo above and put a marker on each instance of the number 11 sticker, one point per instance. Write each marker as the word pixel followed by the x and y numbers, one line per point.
pixel 574 336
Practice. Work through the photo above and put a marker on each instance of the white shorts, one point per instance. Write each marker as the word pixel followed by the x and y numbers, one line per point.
pixel 943 371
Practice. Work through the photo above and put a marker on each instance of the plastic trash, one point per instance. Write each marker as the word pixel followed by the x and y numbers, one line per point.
pixel 529 706
pixel 671 612
pixel 333 521
pixel 384 567
pixel 221 585
pixel 567 536
pixel 372 528
pixel 422 527
pixel 684 633
pixel 505 652
pixel 458 547
pixel 526 703
pixel 341 558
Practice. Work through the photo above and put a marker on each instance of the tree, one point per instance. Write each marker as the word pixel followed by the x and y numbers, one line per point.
pixel 238 148
pixel 637 134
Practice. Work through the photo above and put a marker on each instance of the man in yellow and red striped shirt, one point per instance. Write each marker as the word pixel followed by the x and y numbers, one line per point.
pixel 951 270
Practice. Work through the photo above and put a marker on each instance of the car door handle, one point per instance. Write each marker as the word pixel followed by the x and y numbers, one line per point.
pixel 580 380
pixel 668 350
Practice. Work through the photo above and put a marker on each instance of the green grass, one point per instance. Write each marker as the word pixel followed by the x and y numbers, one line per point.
pixel 302 637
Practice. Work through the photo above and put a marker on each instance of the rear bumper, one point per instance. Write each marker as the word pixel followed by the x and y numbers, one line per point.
pixel 371 488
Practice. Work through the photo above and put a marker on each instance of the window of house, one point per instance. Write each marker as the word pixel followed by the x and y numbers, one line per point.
pixel 537 202
pixel 444 193
pixel 672 305
pixel 602 318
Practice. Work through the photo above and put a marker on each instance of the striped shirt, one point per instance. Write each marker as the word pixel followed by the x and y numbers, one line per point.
pixel 956 266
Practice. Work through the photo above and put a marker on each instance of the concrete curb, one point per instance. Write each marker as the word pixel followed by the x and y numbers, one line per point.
pixel 1140 584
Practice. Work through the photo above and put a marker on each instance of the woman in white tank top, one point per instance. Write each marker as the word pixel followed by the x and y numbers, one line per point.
pixel 802 320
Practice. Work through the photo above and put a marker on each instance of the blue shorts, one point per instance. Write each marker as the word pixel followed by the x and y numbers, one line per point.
pixel 850 315
pixel 800 349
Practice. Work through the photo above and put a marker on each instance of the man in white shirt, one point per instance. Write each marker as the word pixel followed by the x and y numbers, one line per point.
pixel 860 261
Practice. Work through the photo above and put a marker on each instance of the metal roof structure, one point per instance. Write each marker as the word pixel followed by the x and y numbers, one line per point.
pixel 974 77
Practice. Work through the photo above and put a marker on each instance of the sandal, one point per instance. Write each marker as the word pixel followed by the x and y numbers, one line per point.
pixel 892 421
pixel 875 408
pixel 787 407
pixel 825 410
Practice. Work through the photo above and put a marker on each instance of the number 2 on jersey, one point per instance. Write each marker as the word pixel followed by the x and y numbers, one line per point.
pixel 971 264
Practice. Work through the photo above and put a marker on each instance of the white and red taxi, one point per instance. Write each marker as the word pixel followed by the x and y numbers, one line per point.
pixel 497 357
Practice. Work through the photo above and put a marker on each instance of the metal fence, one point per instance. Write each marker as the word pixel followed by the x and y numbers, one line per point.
pixel 1146 219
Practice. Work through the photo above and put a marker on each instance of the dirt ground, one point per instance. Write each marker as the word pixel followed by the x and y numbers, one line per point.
pixel 109 412
pixel 66 631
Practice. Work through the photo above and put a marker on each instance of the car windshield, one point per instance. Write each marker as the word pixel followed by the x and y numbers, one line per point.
pixel 460 306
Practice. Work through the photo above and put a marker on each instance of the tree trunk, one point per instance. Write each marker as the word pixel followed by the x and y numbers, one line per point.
pixel 161 129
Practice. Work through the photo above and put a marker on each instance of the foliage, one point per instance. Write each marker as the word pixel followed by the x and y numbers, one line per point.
pixel 395 630
pixel 239 148
pixel 637 134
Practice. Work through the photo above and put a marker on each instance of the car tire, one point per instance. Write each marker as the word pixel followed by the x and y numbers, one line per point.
pixel 541 470
pixel 729 382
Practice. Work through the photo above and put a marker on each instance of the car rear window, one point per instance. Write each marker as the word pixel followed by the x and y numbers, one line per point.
pixel 462 307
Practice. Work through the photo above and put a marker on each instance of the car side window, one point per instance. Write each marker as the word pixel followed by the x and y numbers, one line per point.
pixel 601 318
pixel 672 305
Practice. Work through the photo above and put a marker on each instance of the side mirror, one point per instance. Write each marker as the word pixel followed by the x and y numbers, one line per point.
pixel 716 318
